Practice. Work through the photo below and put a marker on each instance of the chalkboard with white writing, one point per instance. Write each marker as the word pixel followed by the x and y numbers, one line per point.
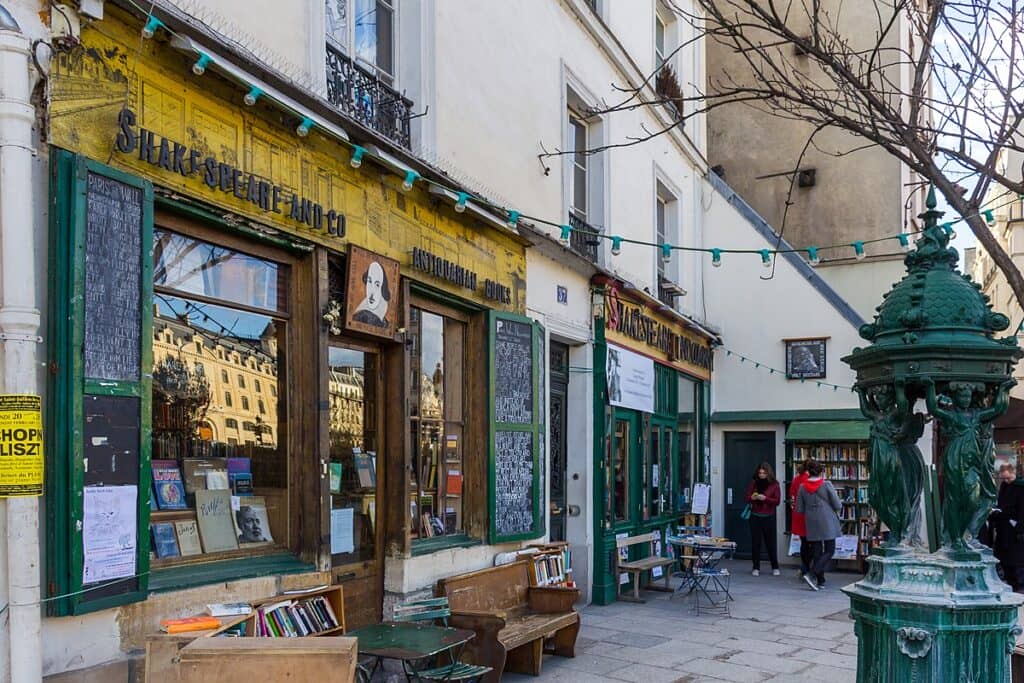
pixel 513 483
pixel 113 284
pixel 513 372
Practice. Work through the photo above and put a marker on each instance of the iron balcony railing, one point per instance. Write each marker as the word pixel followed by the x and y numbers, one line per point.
pixel 584 240
pixel 363 97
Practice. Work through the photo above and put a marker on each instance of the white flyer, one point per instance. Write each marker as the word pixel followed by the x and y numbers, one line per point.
pixel 701 498
pixel 342 540
pixel 109 532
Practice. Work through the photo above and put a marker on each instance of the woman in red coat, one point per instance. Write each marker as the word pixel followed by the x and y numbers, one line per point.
pixel 764 496
pixel 799 524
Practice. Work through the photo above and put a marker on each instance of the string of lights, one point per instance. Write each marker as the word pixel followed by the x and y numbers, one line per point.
pixel 775 371
pixel 462 199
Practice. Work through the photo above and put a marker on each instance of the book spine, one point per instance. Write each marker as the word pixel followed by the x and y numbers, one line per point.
pixel 330 612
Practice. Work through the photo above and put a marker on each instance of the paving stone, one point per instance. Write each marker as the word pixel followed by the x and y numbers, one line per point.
pixel 644 673
pixel 831 659
pixel 638 640
pixel 777 664
pixel 737 673
pixel 589 663
pixel 764 647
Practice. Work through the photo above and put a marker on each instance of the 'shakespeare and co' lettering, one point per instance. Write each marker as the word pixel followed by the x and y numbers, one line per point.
pixel 632 322
pixel 178 158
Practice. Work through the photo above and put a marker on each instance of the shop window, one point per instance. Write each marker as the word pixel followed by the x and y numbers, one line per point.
pixel 660 473
pixel 236 302
pixel 618 473
pixel 686 439
pixel 437 365
pixel 353 451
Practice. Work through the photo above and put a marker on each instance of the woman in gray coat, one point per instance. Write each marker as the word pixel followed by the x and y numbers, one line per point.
pixel 818 501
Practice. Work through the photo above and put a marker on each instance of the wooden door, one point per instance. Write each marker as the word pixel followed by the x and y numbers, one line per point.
pixel 354 439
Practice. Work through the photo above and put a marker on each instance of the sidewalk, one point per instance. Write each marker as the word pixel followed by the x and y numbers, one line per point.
pixel 779 630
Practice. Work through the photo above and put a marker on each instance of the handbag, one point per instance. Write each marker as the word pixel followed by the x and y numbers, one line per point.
pixel 745 514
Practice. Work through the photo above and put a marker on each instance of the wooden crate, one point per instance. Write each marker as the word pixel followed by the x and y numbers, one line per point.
pixel 334 595
pixel 244 660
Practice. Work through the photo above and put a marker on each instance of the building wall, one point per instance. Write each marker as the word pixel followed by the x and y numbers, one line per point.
pixel 856 197
pixel 862 284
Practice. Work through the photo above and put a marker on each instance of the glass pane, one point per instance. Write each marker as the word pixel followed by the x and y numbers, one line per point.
pixel 385 39
pixel 659 42
pixel 220 467
pixel 194 267
pixel 619 471
pixel 579 190
pixel 353 448
pixel 337 21
pixel 660 220
pixel 687 434
pixel 655 476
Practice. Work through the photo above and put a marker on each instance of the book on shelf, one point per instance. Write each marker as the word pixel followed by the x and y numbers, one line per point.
pixel 214 516
pixel 335 473
pixel 186 624
pixel 453 485
pixel 165 542
pixel 188 537
pixel 167 485
pixel 295 618
pixel 229 609
pixel 252 525
pixel 196 472
pixel 364 463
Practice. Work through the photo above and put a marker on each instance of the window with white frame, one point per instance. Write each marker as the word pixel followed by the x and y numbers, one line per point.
pixel 666 227
pixel 661 230
pixel 660 32
pixel 579 176
pixel 365 30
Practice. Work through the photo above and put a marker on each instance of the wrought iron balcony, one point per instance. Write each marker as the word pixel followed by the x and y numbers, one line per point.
pixel 363 97
pixel 583 240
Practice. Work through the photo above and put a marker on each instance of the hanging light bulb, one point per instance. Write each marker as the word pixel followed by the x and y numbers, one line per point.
pixel 616 245
pixel 251 96
pixel 357 157
pixel 666 252
pixel 566 233
pixel 199 68
pixel 904 241
pixel 812 256
pixel 303 128
pixel 858 251
pixel 152 24
pixel 410 178
pixel 513 219
pixel 766 258
pixel 716 258
pixel 990 217
pixel 460 204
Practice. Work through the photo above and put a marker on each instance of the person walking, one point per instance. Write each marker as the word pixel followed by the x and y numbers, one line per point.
pixel 764 496
pixel 1008 520
pixel 799 525
pixel 818 501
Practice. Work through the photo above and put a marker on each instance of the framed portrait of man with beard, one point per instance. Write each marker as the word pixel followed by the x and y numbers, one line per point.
pixel 371 296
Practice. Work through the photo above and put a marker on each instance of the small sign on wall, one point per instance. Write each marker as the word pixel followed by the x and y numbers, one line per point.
pixel 371 294
pixel 805 358
pixel 562 295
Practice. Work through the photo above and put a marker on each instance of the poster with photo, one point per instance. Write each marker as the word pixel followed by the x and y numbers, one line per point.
pixel 371 293
pixel 805 358
pixel 630 379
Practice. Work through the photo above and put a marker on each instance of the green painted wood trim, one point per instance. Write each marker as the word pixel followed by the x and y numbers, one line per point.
pixel 425 546
pixel 836 430
pixel 196 211
pixel 189 576
pixel 540 515
pixel 443 297
pixel 786 415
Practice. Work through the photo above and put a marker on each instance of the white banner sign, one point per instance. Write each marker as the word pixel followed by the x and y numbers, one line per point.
pixel 630 379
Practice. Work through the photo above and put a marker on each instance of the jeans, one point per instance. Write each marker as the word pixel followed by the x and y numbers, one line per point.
pixel 821 555
pixel 762 529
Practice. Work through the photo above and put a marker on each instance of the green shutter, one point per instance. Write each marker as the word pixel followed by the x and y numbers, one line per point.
pixel 108 398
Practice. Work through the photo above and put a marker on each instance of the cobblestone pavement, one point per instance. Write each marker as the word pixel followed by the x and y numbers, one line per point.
pixel 778 630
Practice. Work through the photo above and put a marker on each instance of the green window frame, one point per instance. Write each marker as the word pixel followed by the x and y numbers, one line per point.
pixel 69 388
pixel 533 428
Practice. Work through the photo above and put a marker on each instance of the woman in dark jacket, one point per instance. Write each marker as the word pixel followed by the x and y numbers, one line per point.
pixel 1008 520
pixel 764 496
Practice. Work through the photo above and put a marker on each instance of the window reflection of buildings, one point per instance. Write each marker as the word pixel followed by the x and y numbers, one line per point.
pixel 347 407
pixel 251 361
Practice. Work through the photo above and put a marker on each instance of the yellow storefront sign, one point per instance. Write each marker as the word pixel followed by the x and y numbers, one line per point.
pixel 138 106
pixel 21 445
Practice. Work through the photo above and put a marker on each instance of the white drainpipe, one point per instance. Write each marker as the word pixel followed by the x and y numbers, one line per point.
pixel 19 324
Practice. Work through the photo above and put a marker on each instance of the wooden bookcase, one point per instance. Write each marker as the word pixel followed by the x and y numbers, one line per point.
pixel 551 565
pixel 333 594
pixel 846 466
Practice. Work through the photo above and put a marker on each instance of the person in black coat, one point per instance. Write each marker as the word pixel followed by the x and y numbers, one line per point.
pixel 1008 521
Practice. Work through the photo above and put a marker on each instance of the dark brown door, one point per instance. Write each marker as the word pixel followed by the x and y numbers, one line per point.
pixel 744 451
pixel 559 364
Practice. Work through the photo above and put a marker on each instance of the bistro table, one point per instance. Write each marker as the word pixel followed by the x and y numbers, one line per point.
pixel 707 553
pixel 409 642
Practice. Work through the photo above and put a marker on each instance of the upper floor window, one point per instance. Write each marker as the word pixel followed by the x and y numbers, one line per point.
pixel 664 36
pixel 579 179
pixel 659 41
pixel 367 33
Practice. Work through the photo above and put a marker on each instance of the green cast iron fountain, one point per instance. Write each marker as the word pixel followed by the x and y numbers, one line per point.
pixel 944 615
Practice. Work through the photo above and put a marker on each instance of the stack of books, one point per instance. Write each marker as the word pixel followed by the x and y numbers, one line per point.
pixel 295 618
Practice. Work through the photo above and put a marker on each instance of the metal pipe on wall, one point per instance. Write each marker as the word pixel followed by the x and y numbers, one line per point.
pixel 20 632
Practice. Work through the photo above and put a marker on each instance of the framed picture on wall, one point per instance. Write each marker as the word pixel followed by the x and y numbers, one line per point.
pixel 371 293
pixel 805 358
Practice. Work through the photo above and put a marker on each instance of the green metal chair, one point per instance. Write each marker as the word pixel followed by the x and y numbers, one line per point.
pixel 437 610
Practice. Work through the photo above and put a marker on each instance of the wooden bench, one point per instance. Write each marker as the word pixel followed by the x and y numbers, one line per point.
pixel 512 619
pixel 638 567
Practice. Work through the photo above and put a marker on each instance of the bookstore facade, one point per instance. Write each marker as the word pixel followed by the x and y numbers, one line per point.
pixel 651 427
pixel 275 369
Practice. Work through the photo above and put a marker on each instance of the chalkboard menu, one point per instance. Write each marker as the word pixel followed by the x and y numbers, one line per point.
pixel 513 482
pixel 513 372
pixel 113 284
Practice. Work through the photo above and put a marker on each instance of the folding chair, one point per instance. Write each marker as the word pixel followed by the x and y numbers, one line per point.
pixel 712 589
pixel 436 610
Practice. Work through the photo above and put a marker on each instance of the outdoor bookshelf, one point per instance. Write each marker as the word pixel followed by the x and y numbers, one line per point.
pixel 842 449
pixel 551 565
pixel 332 594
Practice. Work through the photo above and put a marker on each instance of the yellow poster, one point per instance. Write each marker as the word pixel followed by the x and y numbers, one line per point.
pixel 21 445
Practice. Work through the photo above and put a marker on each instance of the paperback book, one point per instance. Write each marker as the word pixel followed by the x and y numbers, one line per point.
pixel 167 485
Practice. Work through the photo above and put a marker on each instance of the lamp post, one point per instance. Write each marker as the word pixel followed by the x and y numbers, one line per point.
pixel 944 614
